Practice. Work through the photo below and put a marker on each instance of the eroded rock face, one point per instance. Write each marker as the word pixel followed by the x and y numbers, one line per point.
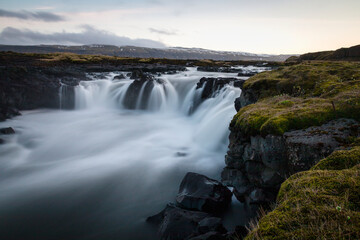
pixel 212 85
pixel 31 87
pixel 141 86
pixel 257 165
pixel 25 86
pixel 198 192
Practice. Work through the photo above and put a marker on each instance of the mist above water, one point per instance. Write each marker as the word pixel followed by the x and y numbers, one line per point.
pixel 98 171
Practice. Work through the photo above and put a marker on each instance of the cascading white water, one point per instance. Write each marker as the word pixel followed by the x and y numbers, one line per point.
pixel 98 171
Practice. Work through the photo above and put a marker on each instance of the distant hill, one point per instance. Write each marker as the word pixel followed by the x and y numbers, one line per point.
pixel 346 54
pixel 142 52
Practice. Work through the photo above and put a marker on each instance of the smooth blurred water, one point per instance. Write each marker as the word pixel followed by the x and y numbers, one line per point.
pixel 98 171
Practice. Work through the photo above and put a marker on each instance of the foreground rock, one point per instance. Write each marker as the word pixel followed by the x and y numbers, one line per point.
pixel 257 165
pixel 198 192
pixel 193 216
pixel 176 223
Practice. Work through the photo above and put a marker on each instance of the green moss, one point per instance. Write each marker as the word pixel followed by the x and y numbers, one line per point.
pixel 300 96
pixel 316 204
pixel 340 160
pixel 286 103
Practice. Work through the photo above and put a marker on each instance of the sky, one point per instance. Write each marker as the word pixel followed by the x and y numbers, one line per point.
pixel 257 26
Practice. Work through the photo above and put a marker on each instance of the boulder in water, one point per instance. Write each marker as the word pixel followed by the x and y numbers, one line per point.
pixel 212 85
pixel 8 130
pixel 142 85
pixel 198 192
pixel 119 77
pixel 176 223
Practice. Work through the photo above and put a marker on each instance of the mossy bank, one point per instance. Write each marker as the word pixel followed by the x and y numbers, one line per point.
pixel 322 203
pixel 288 120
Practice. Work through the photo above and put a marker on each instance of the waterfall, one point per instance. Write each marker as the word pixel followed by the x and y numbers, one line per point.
pixel 97 171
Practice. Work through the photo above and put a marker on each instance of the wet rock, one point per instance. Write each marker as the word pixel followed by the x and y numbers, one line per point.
pixel 211 224
pixel 239 233
pixel 210 236
pixel 181 154
pixel 243 73
pixel 137 74
pixel 237 104
pixel 178 224
pixel 213 85
pixel 119 77
pixel 8 130
pixel 218 69
pixel 31 87
pixel 142 85
pixel 239 83
pixel 2 141
pixel 198 192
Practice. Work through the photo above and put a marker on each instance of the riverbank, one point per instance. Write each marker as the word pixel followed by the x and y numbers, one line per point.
pixel 289 120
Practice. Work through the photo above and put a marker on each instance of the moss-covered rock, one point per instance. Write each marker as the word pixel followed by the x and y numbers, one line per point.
pixel 299 96
pixel 340 160
pixel 317 204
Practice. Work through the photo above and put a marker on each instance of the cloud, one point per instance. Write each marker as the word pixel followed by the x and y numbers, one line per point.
pixel 162 31
pixel 88 35
pixel 26 15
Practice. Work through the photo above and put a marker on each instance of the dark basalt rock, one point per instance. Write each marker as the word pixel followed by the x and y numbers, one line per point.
pixel 31 87
pixel 243 73
pixel 119 77
pixel 213 85
pixel 218 69
pixel 239 233
pixel 210 236
pixel 257 165
pixel 27 86
pixel 192 216
pixel 8 130
pixel 176 223
pixel 141 80
pixel 198 192
pixel 237 104
pixel 211 224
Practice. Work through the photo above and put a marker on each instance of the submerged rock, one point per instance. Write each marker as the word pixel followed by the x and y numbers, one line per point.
pixel 119 77
pixel 198 192
pixel 8 130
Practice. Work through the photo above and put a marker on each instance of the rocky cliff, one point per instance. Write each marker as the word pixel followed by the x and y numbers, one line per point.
pixel 287 121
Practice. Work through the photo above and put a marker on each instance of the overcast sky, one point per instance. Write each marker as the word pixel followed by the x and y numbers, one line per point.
pixel 258 26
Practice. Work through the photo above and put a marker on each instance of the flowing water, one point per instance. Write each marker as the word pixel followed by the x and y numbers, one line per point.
pixel 97 172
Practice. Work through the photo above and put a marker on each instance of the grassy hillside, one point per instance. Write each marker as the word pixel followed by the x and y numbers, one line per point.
pixel 344 54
